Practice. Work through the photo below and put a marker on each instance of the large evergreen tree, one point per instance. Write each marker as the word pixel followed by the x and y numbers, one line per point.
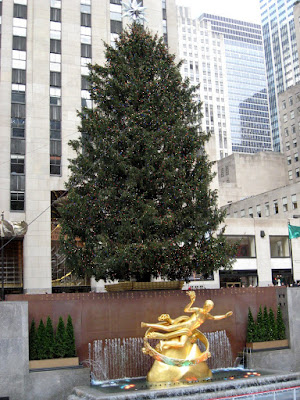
pixel 139 200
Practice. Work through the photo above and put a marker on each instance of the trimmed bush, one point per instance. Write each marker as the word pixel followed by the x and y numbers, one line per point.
pixel 272 326
pixel 60 340
pixel 251 328
pixel 41 341
pixel 70 338
pixel 49 339
pixel 33 342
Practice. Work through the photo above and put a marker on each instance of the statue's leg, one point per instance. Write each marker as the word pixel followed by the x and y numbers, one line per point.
pixel 175 344
pixel 158 326
pixel 166 336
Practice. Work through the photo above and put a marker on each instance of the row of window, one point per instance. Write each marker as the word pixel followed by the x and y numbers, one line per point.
pixel 257 210
pixel 18 109
pixel 279 246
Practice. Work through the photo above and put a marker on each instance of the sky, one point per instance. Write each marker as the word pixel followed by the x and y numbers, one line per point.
pixel 236 9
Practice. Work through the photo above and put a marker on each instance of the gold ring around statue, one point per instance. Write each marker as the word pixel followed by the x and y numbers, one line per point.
pixel 148 349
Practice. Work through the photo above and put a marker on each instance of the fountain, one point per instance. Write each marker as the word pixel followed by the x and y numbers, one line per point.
pixel 181 367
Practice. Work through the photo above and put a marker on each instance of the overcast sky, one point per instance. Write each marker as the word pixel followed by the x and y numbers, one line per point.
pixel 237 9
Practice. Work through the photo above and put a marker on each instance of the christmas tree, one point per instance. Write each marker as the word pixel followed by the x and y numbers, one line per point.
pixel 139 197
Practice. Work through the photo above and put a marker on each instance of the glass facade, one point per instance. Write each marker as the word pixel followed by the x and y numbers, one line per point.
pixel 281 54
pixel 246 81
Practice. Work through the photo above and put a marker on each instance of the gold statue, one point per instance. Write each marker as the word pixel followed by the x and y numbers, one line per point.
pixel 177 356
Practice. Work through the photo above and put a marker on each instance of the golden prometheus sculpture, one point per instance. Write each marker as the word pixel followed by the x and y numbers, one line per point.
pixel 177 355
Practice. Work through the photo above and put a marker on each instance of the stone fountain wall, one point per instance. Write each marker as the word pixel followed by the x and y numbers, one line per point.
pixel 100 316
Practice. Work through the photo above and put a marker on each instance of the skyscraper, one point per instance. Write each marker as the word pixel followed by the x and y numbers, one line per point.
pixel 226 57
pixel 282 65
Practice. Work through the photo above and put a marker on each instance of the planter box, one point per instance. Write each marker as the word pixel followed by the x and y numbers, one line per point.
pixel 54 363
pixel 274 344
pixel 123 286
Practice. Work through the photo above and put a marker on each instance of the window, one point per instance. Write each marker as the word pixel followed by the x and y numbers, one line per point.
pixel 286 131
pixel 55 147
pixel 291 100
pixel 289 160
pixel 284 204
pixel 290 173
pixel 55 14
pixel 55 113
pixel 285 118
pixel 294 202
pixel 115 26
pixel 242 213
pixel 258 211
pixel 250 212
pixel 85 84
pixel 55 79
pixel 20 11
pixel 17 201
pixel 294 142
pixel 283 104
pixel 55 129
pixel 19 43
pixel 296 156
pixel 246 245
pixel 275 206
pixel 19 76
pixel 17 146
pixel 55 162
pixel 279 246
pixel 17 164
pixel 17 183
pixel 292 114
pixel 18 97
pixel 85 20
pixel 55 46
pixel 297 172
pixel 86 50
pixel 267 209
pixel 287 146
pixel 293 129
pixel 18 110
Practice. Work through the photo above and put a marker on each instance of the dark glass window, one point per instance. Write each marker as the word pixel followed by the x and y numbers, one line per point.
pixel 18 110
pixel 115 26
pixel 55 113
pixel 18 132
pixel 85 19
pixel 55 79
pixel 18 97
pixel 55 129
pixel 19 43
pixel 55 163
pixel 55 14
pixel 85 84
pixel 17 165
pixel 19 76
pixel 17 183
pixel 116 2
pixel 17 201
pixel 20 11
pixel 17 146
pixel 55 147
pixel 86 50
pixel 55 46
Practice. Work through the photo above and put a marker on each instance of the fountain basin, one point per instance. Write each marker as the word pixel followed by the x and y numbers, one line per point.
pixel 225 383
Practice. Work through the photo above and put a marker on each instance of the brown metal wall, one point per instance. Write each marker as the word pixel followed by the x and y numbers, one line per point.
pixel 118 315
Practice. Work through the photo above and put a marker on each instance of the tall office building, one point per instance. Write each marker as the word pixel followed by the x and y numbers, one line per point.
pixel 226 57
pixel 282 65
pixel 45 49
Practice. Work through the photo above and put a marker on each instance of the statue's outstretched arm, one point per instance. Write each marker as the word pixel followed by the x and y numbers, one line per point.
pixel 217 317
